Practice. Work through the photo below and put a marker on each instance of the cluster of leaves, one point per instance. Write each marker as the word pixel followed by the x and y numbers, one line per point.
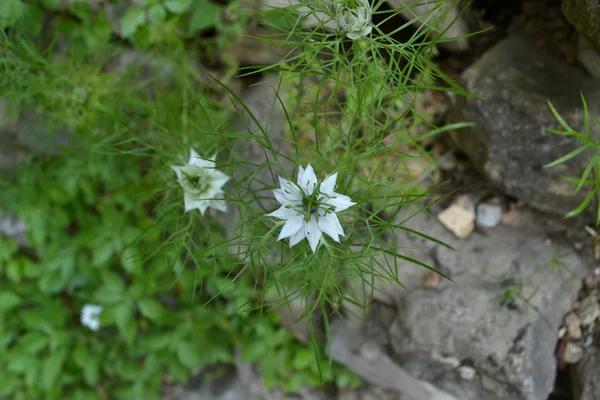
pixel 99 234
pixel 89 25
pixel 590 178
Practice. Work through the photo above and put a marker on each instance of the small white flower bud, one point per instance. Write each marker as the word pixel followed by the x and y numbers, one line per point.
pixel 354 17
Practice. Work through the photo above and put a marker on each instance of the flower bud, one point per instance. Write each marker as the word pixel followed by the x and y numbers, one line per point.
pixel 354 17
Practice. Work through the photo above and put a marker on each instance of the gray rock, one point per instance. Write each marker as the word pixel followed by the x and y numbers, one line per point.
pixel 369 361
pixel 584 15
pixel 500 316
pixel 510 142
pixel 488 215
pixel 510 345
pixel 573 353
pixel 573 324
pixel 588 56
pixel 585 376
pixel 588 310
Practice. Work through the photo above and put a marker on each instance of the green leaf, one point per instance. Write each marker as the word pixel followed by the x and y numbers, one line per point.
pixel 151 308
pixel 8 301
pixel 52 368
pixel 80 9
pixel 103 252
pixel 131 20
pixel 80 355
pixel 10 12
pixel 566 157
pixel 126 322
pixel 13 271
pixel 32 20
pixel 560 120
pixel 204 16
pixel 52 282
pixel 157 13
pixel 583 205
pixel 91 372
pixel 51 4
pixel 178 6
pixel 22 363
pixel 33 342
pixel 132 260
pixel 189 355
pixel 8 383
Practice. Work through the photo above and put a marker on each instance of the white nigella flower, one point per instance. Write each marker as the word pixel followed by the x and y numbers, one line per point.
pixel 310 208
pixel 354 17
pixel 90 316
pixel 201 183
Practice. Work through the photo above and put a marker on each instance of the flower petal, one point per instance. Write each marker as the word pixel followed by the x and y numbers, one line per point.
pixel 290 190
pixel 219 178
pixel 219 205
pixel 301 234
pixel 313 233
pixel 198 161
pixel 284 213
pixel 177 170
pixel 191 203
pixel 328 184
pixel 339 201
pixel 364 32
pixel 308 180
pixel 291 227
pixel 330 225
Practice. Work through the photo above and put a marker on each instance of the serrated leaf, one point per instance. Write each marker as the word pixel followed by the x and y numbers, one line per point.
pixel 204 16
pixel 131 20
pixel 151 308
pixel 178 6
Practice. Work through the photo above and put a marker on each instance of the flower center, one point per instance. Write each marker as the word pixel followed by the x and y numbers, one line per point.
pixel 196 180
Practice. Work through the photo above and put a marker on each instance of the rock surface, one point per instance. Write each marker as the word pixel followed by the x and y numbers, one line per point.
pixel 510 142
pixel 499 318
pixel 585 375
pixel 584 15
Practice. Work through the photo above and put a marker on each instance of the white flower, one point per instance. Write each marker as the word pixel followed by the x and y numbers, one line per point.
pixel 310 208
pixel 201 183
pixel 90 316
pixel 354 17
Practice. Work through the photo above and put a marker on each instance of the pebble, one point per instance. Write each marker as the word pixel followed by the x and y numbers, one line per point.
pixel 467 373
pixel 429 280
pixel 591 283
pixel 573 324
pixel 588 310
pixel 458 219
pixel 488 215
pixel 573 353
